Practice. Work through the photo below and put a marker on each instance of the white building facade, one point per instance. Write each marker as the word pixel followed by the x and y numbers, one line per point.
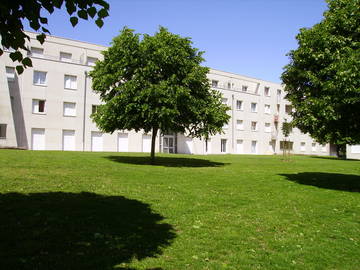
pixel 48 107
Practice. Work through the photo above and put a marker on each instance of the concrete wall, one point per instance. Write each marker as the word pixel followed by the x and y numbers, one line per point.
pixel 21 120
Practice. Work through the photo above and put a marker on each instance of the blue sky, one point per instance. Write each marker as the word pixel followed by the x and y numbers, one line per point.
pixel 248 37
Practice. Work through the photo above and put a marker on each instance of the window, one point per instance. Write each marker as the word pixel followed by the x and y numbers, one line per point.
pixel 302 146
pixel 207 146
pixel 239 105
pixel 70 82
pixel 37 52
pixel 2 131
pixel 267 127
pixel 288 109
pixel 244 88
pixel 223 145
pixel 10 73
pixel 94 108
pixel 39 78
pixel 69 109
pixel 253 107
pixel 253 147
pixel 253 126
pixel 240 124
pixel 355 149
pixel 90 61
pixel 229 85
pixel 38 106
pixel 313 147
pixel 323 148
pixel 224 101
pixel 267 109
pixel 287 145
pixel 267 91
pixel 278 108
pixel 65 57
pixel 214 83
pixel 278 95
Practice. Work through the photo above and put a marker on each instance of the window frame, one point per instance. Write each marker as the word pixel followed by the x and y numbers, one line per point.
pixel 38 106
pixel 241 106
pixel 66 60
pixel 39 84
pixel 251 107
pixel 3 128
pixel 69 115
pixel 239 126
pixel 252 125
pixel 71 82
pixel 223 145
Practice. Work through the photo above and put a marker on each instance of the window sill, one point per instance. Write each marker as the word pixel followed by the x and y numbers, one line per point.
pixel 42 113
pixel 43 85
pixel 72 89
pixel 69 115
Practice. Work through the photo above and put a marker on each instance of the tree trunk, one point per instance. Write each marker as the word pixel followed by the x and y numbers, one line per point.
pixel 153 138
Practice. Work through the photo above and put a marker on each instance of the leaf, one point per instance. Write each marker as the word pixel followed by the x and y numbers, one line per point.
pixel 74 21
pixel 27 62
pixel 45 30
pixel 91 11
pixel 43 20
pixel 35 25
pixel 82 14
pixel 19 69
pixel 70 7
pixel 16 56
pixel 103 13
pixel 58 3
pixel 99 23
pixel 41 38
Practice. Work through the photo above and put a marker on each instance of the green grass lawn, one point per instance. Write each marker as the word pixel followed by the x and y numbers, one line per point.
pixel 74 210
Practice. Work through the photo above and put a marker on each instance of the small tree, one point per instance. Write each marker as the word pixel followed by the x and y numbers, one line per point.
pixel 156 83
pixel 286 129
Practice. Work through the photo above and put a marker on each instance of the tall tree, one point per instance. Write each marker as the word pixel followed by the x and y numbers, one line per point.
pixel 14 12
pixel 323 78
pixel 156 83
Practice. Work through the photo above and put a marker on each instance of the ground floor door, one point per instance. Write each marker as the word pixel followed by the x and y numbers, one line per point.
pixel 169 144
pixel 69 140
pixel 240 147
pixel 272 146
pixel 96 141
pixel 38 139
pixel 188 146
pixel 123 142
pixel 146 143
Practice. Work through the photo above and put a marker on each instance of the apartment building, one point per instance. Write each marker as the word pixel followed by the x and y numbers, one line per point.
pixel 48 107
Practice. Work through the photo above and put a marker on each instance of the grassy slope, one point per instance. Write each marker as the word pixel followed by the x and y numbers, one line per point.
pixel 219 212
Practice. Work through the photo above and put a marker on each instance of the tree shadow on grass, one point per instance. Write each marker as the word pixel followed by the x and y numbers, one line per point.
pixel 334 158
pixel 77 231
pixel 335 181
pixel 167 161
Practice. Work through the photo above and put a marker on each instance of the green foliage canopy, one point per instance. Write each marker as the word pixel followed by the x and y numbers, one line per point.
pixel 323 77
pixel 13 12
pixel 156 83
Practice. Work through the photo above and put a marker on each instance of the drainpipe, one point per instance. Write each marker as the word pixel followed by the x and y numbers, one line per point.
pixel 84 113
pixel 232 124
